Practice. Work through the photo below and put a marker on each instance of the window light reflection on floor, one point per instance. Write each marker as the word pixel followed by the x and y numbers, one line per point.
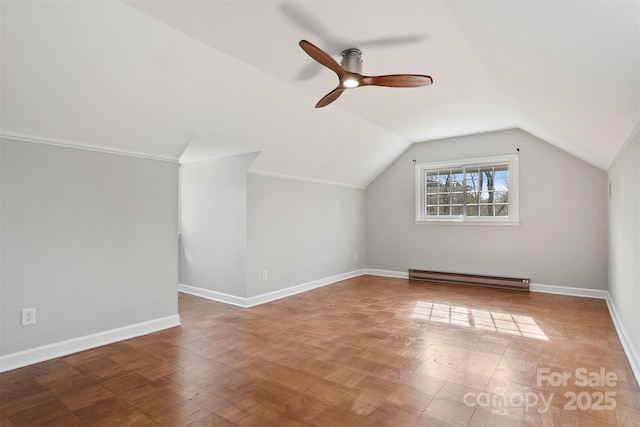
pixel 505 323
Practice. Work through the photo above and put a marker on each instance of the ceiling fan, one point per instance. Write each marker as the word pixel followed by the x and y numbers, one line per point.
pixel 304 18
pixel 349 73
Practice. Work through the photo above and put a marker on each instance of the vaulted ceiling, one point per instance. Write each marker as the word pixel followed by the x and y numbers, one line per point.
pixel 218 78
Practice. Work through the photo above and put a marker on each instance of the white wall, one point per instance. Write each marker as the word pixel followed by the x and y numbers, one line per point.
pixel 561 239
pixel 624 244
pixel 213 224
pixel 301 232
pixel 87 238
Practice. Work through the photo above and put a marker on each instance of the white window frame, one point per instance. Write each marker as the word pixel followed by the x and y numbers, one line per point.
pixel 512 160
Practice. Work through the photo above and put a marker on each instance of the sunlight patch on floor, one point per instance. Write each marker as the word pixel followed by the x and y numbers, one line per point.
pixel 505 323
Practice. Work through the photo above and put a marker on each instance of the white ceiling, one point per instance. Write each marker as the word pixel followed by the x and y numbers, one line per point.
pixel 228 77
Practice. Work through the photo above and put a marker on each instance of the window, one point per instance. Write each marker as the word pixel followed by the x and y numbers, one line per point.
pixel 474 191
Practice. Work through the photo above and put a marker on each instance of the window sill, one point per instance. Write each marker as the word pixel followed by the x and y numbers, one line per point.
pixel 466 222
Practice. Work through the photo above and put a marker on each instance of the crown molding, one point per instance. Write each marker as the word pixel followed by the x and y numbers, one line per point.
pixel 297 178
pixel 82 146
pixel 635 131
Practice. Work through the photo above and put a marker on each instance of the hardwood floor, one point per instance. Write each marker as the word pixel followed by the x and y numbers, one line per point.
pixel 368 351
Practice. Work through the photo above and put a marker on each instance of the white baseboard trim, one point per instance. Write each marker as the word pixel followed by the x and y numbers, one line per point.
pixel 627 346
pixel 213 295
pixel 75 345
pixel 387 273
pixel 568 291
pixel 270 296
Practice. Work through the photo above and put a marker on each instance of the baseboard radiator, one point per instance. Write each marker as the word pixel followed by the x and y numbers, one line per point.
pixel 513 283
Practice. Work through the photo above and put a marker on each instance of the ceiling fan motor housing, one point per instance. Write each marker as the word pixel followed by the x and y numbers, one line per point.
pixel 352 60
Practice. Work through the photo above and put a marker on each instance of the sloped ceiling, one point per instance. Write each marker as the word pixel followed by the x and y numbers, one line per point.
pixel 203 79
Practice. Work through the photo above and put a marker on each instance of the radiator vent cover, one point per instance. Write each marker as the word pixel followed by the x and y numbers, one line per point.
pixel 518 284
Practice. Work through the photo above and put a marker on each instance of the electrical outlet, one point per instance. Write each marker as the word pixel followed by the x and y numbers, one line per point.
pixel 28 316
pixel 265 275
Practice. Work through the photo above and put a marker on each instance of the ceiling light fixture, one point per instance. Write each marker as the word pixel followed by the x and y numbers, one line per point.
pixel 352 62
pixel 350 83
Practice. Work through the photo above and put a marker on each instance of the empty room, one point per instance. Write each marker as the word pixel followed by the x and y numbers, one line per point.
pixel 320 213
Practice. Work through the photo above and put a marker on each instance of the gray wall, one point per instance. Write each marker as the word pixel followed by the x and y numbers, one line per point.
pixel 561 239
pixel 301 231
pixel 89 239
pixel 624 239
pixel 213 224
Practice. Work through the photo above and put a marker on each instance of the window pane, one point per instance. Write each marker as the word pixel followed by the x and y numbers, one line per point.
pixel 456 210
pixel 432 199
pixel 501 197
pixel 502 177
pixel 445 199
pixel 502 210
pixel 432 210
pixel 486 175
pixel 472 210
pixel 486 210
pixel 472 180
pixel 444 210
pixel 432 187
pixel 457 198
pixel 457 178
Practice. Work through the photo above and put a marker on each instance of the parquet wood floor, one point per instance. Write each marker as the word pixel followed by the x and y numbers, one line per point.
pixel 368 351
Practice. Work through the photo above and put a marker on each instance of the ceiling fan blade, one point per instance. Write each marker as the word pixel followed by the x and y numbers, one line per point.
pixel 391 41
pixel 397 80
pixel 330 97
pixel 309 71
pixel 310 24
pixel 322 57
pixel 303 19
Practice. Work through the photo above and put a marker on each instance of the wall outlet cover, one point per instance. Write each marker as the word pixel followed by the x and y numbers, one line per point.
pixel 28 316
